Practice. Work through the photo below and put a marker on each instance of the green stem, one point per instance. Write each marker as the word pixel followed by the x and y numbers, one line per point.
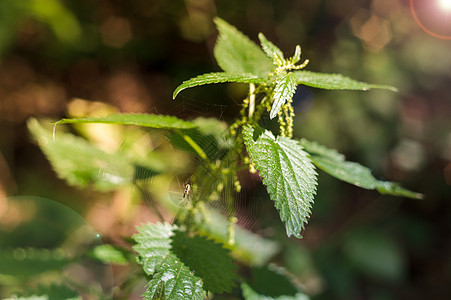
pixel 193 145
pixel 231 230
pixel 251 99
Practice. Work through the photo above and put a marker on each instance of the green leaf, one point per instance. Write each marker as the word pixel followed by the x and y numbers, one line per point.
pixel 347 171
pixel 314 148
pixel 53 292
pixel 271 283
pixel 207 259
pixel 271 50
pixel 153 245
pixel 208 135
pixel 219 77
pixel 31 262
pixel 82 164
pixel 393 188
pixel 249 248
pixel 111 254
pixel 33 297
pixel 333 163
pixel 237 54
pixel 284 90
pixel 153 248
pixel 159 293
pixel 335 82
pixel 179 281
pixel 288 174
pixel 250 294
pixel 144 120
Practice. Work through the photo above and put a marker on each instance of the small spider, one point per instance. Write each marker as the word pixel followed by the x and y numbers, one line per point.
pixel 186 192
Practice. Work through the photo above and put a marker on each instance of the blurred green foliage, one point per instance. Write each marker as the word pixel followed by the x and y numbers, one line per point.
pixel 132 54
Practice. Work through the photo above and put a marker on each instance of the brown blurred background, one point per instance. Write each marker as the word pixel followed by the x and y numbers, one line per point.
pixel 132 54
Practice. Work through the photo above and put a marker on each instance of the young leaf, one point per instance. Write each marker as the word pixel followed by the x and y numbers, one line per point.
pixel 297 55
pixel 152 245
pixel 179 281
pixel 284 90
pixel 209 260
pixel 335 82
pixel 288 174
pixel 144 120
pixel 219 77
pixel 237 54
pixel 81 164
pixel 334 164
pixel 271 50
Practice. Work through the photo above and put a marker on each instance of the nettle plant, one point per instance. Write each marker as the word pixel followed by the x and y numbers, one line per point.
pixel 195 256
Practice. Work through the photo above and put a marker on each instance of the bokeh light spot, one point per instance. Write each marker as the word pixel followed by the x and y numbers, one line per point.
pixel 433 17
pixel 445 5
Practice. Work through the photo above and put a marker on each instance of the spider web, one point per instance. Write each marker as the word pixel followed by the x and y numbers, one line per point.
pixel 247 204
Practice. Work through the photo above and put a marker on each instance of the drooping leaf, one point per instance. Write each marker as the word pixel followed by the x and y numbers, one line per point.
pixel 209 261
pixel 350 172
pixel 334 163
pixel 335 82
pixel 144 120
pixel 314 148
pixel 284 90
pixel 288 174
pixel 271 50
pixel 153 243
pixel 82 164
pixel 393 188
pixel 219 77
pixel 237 54
pixel 179 281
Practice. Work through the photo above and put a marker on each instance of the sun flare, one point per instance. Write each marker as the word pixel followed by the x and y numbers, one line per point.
pixel 445 5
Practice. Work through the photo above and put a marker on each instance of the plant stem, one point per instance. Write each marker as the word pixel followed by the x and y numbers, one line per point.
pixel 193 145
pixel 251 99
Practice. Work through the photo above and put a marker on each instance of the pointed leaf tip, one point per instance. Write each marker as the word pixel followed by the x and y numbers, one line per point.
pixel 334 163
pixel 284 91
pixel 288 174
pixel 336 82
pixel 217 77
pixel 236 53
